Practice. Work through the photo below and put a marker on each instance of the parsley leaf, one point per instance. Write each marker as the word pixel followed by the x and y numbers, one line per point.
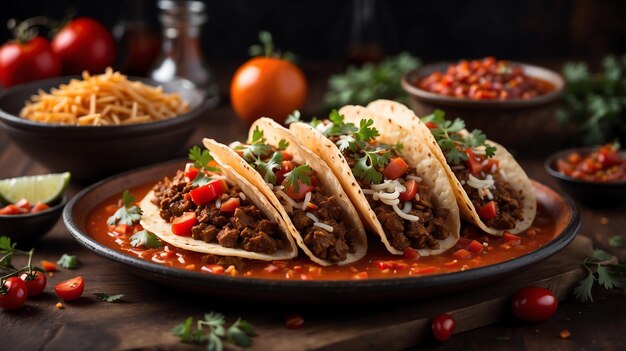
pixel 335 117
pixel 293 117
pixel 102 296
pixel 366 166
pixel 238 333
pixel 366 132
pixel 282 144
pixel 68 261
pixel 128 214
pixel 346 142
pixel 201 159
pixel 266 169
pixel 257 148
pixel 603 268
pixel 583 290
pixel 300 174
pixel 146 239
pixel 617 241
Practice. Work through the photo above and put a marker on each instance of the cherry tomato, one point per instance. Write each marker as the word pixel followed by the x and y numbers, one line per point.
pixel 15 294
pixel 395 169
pixel 267 87
pixel 24 62
pixel 534 304
pixel 35 282
pixel 70 290
pixel 182 225
pixel 230 205
pixel 488 211
pixel 302 190
pixel 84 44
pixel 411 189
pixel 208 192
pixel 443 327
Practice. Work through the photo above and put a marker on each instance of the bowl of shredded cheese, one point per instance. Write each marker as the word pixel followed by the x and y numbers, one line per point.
pixel 98 125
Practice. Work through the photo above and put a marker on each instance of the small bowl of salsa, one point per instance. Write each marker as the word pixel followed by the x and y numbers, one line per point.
pixel 496 96
pixel 594 175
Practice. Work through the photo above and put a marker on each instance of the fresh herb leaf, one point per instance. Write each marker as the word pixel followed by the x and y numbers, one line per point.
pixel 266 169
pixel 300 174
pixel 257 148
pixel 293 117
pixel 128 214
pixel 239 333
pixel 102 296
pixel 282 144
pixel 146 239
pixel 183 330
pixel 335 117
pixel 68 261
pixel 617 241
pixel 366 132
pixel 583 290
pixel 201 179
pixel 7 250
pixel 366 166
pixel 347 142
pixel 201 159
pixel 603 268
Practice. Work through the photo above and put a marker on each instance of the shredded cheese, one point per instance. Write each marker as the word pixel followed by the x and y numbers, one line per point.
pixel 290 203
pixel 406 216
pixel 312 216
pixel 478 183
pixel 407 207
pixel 218 203
pixel 307 199
pixel 415 178
pixel 242 196
pixel 324 226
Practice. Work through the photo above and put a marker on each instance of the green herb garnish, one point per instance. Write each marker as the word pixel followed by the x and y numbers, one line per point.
pixel 453 143
pixel 128 214
pixel 102 296
pixel 300 174
pixel 266 169
pixel 602 268
pixel 201 159
pixel 146 239
pixel 211 331
pixel 257 148
pixel 68 261
pixel 293 117
pixel 617 241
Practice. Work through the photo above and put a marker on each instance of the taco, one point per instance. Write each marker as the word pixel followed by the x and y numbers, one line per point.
pixel 491 188
pixel 318 213
pixel 399 188
pixel 209 208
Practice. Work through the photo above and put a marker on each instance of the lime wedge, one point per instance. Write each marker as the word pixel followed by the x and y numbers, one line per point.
pixel 45 188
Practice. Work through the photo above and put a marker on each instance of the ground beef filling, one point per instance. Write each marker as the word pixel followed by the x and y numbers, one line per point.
pixel 423 234
pixel 246 228
pixel 335 246
pixel 510 208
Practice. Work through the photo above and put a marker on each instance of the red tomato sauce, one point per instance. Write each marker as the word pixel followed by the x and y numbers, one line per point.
pixel 486 79
pixel 605 164
pixel 475 249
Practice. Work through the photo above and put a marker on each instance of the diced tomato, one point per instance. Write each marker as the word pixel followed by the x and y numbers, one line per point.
pixel 411 189
pixel 208 192
pixel 271 268
pixel 463 243
pixel 474 164
pixel 462 254
pixel 382 265
pixel 230 205
pixel 40 206
pixel 10 210
pixel 121 229
pixel 411 253
pixel 315 181
pixel 24 205
pixel 425 270
pixel 48 266
pixel 182 225
pixel 609 157
pixel 191 171
pixel 303 189
pixel 492 165
pixel 431 125
pixel 475 247
pixel 285 167
pixel 360 275
pixel 286 155
pixel 488 211
pixel 512 239
pixel 395 169
pixel 213 268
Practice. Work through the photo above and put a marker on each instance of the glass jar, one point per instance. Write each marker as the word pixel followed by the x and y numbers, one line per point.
pixel 181 50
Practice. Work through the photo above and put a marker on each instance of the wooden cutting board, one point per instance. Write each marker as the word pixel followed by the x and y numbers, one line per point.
pixel 145 320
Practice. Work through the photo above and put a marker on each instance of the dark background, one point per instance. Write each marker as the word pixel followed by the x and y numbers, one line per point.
pixel 442 29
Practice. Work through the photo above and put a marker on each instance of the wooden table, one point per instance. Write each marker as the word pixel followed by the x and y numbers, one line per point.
pixel 150 311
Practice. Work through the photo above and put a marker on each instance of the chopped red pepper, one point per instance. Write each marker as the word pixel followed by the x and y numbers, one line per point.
pixel 475 247
pixel 208 192
pixel 395 169
pixel 512 239
pixel 488 211
pixel 230 205
pixel 474 163
pixel 191 171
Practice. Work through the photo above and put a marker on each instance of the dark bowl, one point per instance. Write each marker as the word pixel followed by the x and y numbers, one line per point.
pixel 27 228
pixel 520 124
pixel 596 194
pixel 94 152
pixel 564 212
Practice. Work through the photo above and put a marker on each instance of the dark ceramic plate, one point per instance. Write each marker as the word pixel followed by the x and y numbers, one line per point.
pixel 564 212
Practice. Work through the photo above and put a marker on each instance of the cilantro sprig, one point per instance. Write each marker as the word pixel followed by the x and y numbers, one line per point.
pixel 146 239
pixel 68 261
pixel 211 330
pixel 258 147
pixel 128 214
pixel 102 296
pixel 605 270
pixel 300 174
pixel 201 159
pixel 266 169
pixel 452 142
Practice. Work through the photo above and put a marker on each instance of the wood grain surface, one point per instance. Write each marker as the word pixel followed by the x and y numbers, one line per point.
pixel 149 312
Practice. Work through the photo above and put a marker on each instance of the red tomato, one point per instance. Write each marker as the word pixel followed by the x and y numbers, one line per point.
pixel 15 294
pixel 10 210
pixel 285 167
pixel 230 205
pixel 24 205
pixel 534 304
pixel 475 247
pixel 511 238
pixel 40 206
pixel 286 155
pixel 25 62
pixel 411 253
pixel 443 327
pixel 208 192
pixel 267 86
pixel 35 282
pixel 609 157
pixel 190 171
pixel 411 189
pixel 492 165
pixel 488 211
pixel 474 164
pixel 182 225
pixel 84 44
pixel 431 125
pixel 302 190
pixel 462 254
pixel 70 290
pixel 121 229
pixel 395 169
pixel 48 266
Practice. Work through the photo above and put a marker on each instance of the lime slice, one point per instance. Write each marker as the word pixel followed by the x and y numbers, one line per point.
pixel 45 188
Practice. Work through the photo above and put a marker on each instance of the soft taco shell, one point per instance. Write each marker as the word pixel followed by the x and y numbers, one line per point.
pixel 152 221
pixel 416 155
pixel 273 132
pixel 518 180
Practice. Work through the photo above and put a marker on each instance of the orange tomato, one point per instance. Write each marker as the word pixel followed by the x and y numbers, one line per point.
pixel 267 87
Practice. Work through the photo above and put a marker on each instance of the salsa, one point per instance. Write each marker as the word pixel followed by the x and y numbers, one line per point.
pixel 485 79
pixel 604 164
pixel 474 249
pixel 23 207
